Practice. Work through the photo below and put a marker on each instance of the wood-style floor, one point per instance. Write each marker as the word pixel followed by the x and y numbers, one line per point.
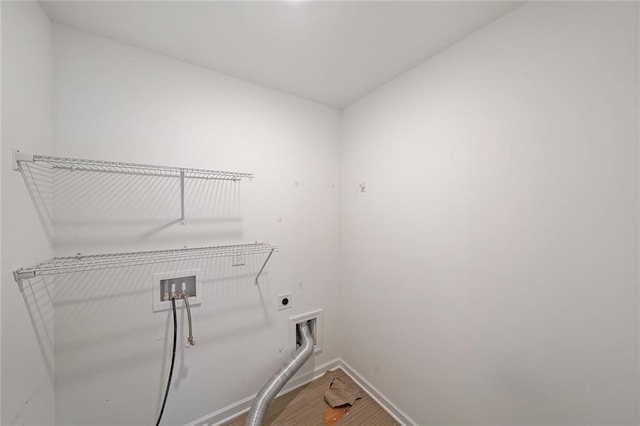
pixel 305 406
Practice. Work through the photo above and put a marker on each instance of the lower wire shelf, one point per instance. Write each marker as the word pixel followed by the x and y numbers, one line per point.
pixel 95 262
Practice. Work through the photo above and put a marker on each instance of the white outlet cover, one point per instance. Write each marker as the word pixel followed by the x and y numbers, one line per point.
pixel 317 332
pixel 281 298
pixel 160 305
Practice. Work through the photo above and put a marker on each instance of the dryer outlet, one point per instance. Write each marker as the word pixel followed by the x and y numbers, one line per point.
pixel 314 320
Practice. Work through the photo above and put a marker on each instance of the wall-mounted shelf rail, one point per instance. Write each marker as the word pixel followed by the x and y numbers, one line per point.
pixel 99 166
pixel 82 263
pixel 113 167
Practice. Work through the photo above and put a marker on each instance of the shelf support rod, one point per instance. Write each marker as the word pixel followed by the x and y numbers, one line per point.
pixel 182 196
pixel 263 265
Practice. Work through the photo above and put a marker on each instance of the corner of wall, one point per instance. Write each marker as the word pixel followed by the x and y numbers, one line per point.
pixel 1 157
pixel 27 395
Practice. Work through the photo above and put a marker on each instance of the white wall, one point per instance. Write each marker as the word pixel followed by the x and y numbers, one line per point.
pixel 490 269
pixel 116 102
pixel 27 318
pixel 0 212
pixel 489 273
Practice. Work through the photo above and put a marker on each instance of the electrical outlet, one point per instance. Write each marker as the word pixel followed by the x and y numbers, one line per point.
pixel 285 301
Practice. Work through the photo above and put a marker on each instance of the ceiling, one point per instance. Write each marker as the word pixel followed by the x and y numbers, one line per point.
pixel 328 52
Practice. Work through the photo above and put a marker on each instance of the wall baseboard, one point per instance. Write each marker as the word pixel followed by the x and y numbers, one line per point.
pixel 393 410
pixel 231 411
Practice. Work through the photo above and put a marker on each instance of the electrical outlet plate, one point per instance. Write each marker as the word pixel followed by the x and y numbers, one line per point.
pixel 157 282
pixel 316 329
pixel 285 301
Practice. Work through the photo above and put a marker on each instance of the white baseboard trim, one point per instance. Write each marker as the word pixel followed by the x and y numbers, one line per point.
pixel 231 411
pixel 393 410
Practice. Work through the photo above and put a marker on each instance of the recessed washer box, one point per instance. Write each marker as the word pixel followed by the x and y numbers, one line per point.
pixel 162 283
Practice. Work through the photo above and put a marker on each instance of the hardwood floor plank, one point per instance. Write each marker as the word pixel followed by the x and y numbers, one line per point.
pixel 305 406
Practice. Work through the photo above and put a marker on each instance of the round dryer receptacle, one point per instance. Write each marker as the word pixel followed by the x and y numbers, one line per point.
pixel 284 301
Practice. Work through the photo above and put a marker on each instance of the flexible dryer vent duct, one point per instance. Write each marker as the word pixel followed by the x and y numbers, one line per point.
pixel 270 390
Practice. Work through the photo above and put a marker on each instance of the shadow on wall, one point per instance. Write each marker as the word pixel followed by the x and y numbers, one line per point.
pixel 104 209
pixel 107 336
pixel 105 325
pixel 38 298
pixel 39 183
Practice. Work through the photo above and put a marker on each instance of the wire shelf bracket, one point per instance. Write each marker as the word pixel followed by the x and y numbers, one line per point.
pixel 263 265
pixel 99 166
pixel 97 262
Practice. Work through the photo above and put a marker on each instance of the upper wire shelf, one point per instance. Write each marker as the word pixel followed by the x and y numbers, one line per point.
pixel 85 263
pixel 100 166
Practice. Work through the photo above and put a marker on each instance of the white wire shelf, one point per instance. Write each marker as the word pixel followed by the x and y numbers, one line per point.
pixel 99 166
pixel 86 263
pixel 113 167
